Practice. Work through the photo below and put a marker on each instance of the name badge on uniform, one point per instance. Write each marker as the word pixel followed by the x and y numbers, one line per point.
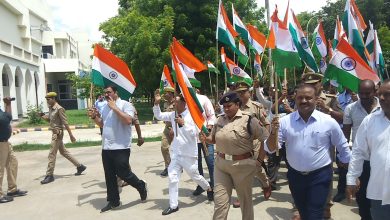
pixel 228 157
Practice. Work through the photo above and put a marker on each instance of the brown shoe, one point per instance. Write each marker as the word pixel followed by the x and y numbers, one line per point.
pixel 267 192
pixel 327 213
pixel 236 204
pixel 296 216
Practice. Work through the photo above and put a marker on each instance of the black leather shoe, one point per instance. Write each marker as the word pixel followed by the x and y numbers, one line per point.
pixel 80 169
pixel 339 197
pixel 143 193
pixel 17 193
pixel 170 210
pixel 164 172
pixel 210 195
pixel 48 179
pixel 198 191
pixel 110 206
pixel 5 199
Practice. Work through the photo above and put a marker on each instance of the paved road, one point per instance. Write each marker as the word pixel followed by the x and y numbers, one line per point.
pixel 81 197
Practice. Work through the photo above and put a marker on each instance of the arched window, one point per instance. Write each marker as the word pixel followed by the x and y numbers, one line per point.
pixel 4 76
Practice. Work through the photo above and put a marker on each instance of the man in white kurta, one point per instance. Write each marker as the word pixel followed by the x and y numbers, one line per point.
pixel 372 142
pixel 184 149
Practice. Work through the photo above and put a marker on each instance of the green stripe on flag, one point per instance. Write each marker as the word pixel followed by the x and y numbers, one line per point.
pixel 344 78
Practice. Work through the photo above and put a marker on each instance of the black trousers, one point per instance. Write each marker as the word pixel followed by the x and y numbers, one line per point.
pixel 310 191
pixel 361 195
pixel 273 164
pixel 116 163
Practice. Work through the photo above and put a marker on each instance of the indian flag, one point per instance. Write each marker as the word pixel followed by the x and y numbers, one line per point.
pixel 323 66
pixel 224 65
pixel 379 59
pixel 225 32
pixel 285 54
pixel 166 79
pixel 354 35
pixel 320 40
pixel 358 16
pixel 236 73
pixel 212 68
pixel 257 65
pixel 257 39
pixel 107 69
pixel 301 42
pixel 193 104
pixel 338 33
pixel 243 55
pixel 189 63
pixel 239 26
pixel 348 68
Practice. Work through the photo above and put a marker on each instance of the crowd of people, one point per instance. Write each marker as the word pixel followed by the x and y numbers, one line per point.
pixel 310 126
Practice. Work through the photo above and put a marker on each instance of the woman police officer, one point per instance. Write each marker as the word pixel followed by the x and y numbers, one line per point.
pixel 235 165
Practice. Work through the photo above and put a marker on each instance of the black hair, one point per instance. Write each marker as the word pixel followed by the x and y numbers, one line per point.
pixel 305 86
pixel 114 88
pixel 367 81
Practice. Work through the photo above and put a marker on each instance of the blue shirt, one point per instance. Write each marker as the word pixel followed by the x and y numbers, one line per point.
pixel 344 99
pixel 308 143
pixel 100 105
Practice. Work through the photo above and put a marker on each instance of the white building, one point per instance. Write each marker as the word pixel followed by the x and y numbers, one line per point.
pixel 34 59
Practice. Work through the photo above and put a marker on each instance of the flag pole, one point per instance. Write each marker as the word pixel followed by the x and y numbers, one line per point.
pixel 295 78
pixel 311 48
pixel 250 63
pixel 90 105
pixel 216 76
pixel 277 105
pixel 211 86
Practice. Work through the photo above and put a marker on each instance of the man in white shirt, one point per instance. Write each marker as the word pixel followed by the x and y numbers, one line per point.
pixel 116 120
pixel 184 150
pixel 353 116
pixel 372 142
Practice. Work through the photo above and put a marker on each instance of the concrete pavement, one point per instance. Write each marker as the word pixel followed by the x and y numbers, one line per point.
pixel 82 197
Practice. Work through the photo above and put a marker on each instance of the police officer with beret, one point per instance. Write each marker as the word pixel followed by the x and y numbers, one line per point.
pixel 57 120
pixel 235 164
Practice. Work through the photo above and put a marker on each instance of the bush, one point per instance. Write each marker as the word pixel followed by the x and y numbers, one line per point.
pixel 32 114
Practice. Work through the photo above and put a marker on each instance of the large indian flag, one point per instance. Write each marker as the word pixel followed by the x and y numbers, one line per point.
pixel 257 65
pixel 301 43
pixel 257 39
pixel 225 32
pixel 236 73
pixel 348 68
pixel 320 40
pixel 353 32
pixel 239 26
pixel 338 33
pixel 107 69
pixel 285 54
pixel 193 104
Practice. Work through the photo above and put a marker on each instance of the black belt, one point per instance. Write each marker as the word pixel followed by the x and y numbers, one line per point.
pixel 310 172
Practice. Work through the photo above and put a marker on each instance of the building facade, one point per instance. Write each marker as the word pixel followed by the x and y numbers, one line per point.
pixel 35 60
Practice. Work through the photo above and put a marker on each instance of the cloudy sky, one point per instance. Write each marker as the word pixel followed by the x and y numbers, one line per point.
pixel 67 13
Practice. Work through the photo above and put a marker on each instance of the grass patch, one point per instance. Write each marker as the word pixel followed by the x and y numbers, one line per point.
pixel 32 147
pixel 79 117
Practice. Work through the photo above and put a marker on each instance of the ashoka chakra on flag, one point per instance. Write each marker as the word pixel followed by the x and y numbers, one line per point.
pixel 318 41
pixel 236 70
pixel 304 43
pixel 348 64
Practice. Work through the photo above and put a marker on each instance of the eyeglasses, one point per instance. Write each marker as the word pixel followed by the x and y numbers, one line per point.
pixel 107 92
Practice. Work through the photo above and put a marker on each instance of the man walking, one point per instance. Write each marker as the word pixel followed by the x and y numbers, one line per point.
pixel 57 120
pixel 309 135
pixel 184 150
pixel 372 143
pixel 116 120
pixel 7 158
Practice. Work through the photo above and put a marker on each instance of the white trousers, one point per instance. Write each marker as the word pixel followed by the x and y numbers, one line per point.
pixel 190 165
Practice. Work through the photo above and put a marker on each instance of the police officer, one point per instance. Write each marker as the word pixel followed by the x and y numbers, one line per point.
pixel 235 165
pixel 328 104
pixel 8 160
pixel 167 136
pixel 256 110
pixel 57 121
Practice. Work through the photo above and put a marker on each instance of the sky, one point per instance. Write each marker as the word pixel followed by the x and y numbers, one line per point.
pixel 85 15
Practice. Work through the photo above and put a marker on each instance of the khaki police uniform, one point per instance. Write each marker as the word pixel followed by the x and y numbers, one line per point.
pixel 166 140
pixel 235 165
pixel 57 120
pixel 256 110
